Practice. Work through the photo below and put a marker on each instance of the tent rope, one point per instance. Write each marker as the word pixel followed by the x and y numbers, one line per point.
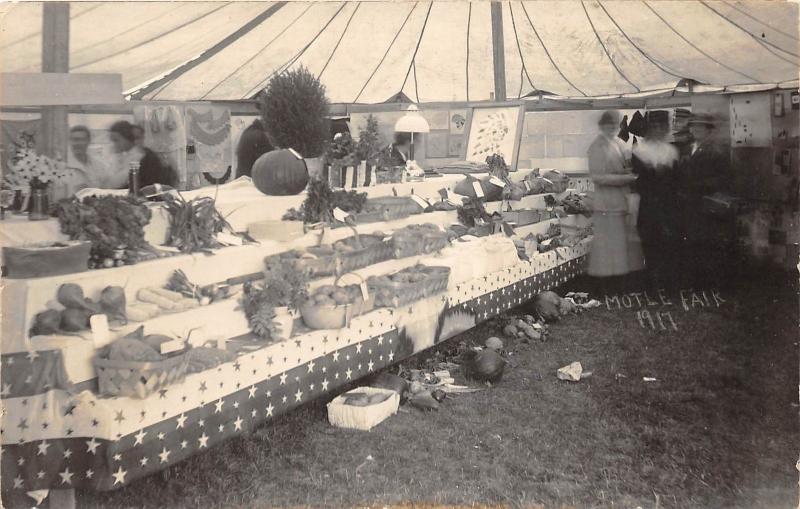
pixel 469 23
pixel 766 44
pixel 391 44
pixel 336 47
pixel 605 49
pixel 790 36
pixel 155 37
pixel 294 59
pixel 419 41
pixel 416 87
pixel 690 43
pixel 519 49
pixel 640 50
pixel 550 57
pixel 259 52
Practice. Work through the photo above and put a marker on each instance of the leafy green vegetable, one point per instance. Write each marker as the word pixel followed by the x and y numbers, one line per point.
pixel 321 200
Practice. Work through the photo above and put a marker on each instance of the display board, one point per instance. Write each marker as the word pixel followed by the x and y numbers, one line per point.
pixel 494 130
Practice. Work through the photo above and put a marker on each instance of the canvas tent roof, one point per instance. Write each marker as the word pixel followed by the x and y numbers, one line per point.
pixel 367 52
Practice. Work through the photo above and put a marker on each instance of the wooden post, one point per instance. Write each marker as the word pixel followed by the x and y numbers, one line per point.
pixel 55 58
pixel 498 52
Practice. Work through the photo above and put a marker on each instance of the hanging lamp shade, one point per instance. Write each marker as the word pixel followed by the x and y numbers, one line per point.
pixel 412 122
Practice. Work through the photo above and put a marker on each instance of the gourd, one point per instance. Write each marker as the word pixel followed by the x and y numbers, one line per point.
pixel 547 305
pixel 280 173
pixel 487 365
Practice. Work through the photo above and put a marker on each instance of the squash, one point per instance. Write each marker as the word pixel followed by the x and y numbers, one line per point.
pixel 547 305
pixel 487 365
pixel 494 343
pixel 280 173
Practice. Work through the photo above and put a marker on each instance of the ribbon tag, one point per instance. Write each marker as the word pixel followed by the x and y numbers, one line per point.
pixel 478 189
pixel 422 202
pixel 100 331
pixel 496 181
pixel 527 185
pixel 340 214
pixel 294 153
pixel 364 290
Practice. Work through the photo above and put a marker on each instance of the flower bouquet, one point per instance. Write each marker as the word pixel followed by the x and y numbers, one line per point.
pixel 31 175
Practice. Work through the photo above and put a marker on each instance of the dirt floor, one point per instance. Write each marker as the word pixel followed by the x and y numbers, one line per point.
pixel 718 428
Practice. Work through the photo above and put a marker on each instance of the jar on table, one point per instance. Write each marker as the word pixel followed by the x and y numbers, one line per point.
pixel 40 205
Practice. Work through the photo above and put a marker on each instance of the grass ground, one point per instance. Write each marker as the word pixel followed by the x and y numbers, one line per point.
pixel 717 429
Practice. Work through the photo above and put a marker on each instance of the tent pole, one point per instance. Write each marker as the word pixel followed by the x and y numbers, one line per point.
pixel 498 52
pixel 55 58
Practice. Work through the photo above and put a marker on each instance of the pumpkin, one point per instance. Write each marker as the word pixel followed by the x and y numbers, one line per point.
pixel 487 365
pixel 494 343
pixel 548 306
pixel 280 173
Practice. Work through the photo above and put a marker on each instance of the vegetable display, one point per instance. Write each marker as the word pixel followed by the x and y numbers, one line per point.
pixel 78 309
pixel 259 312
pixel 321 200
pixel 194 224
pixel 113 224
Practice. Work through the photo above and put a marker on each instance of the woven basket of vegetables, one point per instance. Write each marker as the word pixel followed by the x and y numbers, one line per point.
pixel 408 285
pixel 138 379
pixel 417 239
pixel 334 306
pixel 387 208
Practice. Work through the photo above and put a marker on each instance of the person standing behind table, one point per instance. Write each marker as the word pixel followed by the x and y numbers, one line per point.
pixel 708 239
pixel 253 143
pixel 165 176
pixel 151 169
pixel 654 161
pixel 615 250
pixel 84 170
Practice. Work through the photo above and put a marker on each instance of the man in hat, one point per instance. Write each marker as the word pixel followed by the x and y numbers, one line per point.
pixel 704 171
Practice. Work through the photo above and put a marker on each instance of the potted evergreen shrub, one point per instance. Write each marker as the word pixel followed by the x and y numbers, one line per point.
pixel 294 109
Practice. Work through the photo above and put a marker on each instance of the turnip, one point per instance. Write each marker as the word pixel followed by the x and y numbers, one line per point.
pixel 46 322
pixel 71 296
pixel 74 320
pixel 112 301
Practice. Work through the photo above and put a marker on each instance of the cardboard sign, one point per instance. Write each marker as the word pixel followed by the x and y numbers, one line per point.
pixel 420 201
pixel 294 153
pixel 100 332
pixel 496 181
pixel 527 185
pixel 172 346
pixel 364 290
pixel 478 189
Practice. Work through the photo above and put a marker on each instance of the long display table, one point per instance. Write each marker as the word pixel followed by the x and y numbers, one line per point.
pixel 56 435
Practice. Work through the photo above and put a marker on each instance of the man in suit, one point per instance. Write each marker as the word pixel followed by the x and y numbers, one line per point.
pixel 708 239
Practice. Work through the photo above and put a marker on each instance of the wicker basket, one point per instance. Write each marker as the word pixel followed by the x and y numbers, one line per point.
pixel 375 251
pixel 414 241
pixel 522 217
pixel 138 379
pixel 387 208
pixel 47 260
pixel 394 293
pixel 335 316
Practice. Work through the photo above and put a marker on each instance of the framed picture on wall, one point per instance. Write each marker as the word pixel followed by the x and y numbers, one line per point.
pixel 455 145
pixel 458 122
pixel 494 129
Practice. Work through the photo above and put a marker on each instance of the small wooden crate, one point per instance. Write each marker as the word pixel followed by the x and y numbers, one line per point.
pixel 362 417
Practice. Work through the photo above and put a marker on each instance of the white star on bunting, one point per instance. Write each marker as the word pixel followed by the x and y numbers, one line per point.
pixel 203 441
pixel 238 423
pixel 181 421
pixel 164 455
pixel 139 437
pixel 92 446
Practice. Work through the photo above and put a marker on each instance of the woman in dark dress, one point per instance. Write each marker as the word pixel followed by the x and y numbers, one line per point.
pixel 654 161
pixel 253 143
pixel 151 169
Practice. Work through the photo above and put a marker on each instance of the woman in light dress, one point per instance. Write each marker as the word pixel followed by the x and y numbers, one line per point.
pixel 616 249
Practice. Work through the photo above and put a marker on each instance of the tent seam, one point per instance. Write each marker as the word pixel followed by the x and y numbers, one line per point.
pixel 560 72
pixel 287 27
pixel 336 47
pixel 519 50
pixel 155 38
pixel 605 50
pixel 292 61
pixel 469 23
pixel 416 49
pixel 731 4
pixel 690 43
pixel 388 49
pixel 762 43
